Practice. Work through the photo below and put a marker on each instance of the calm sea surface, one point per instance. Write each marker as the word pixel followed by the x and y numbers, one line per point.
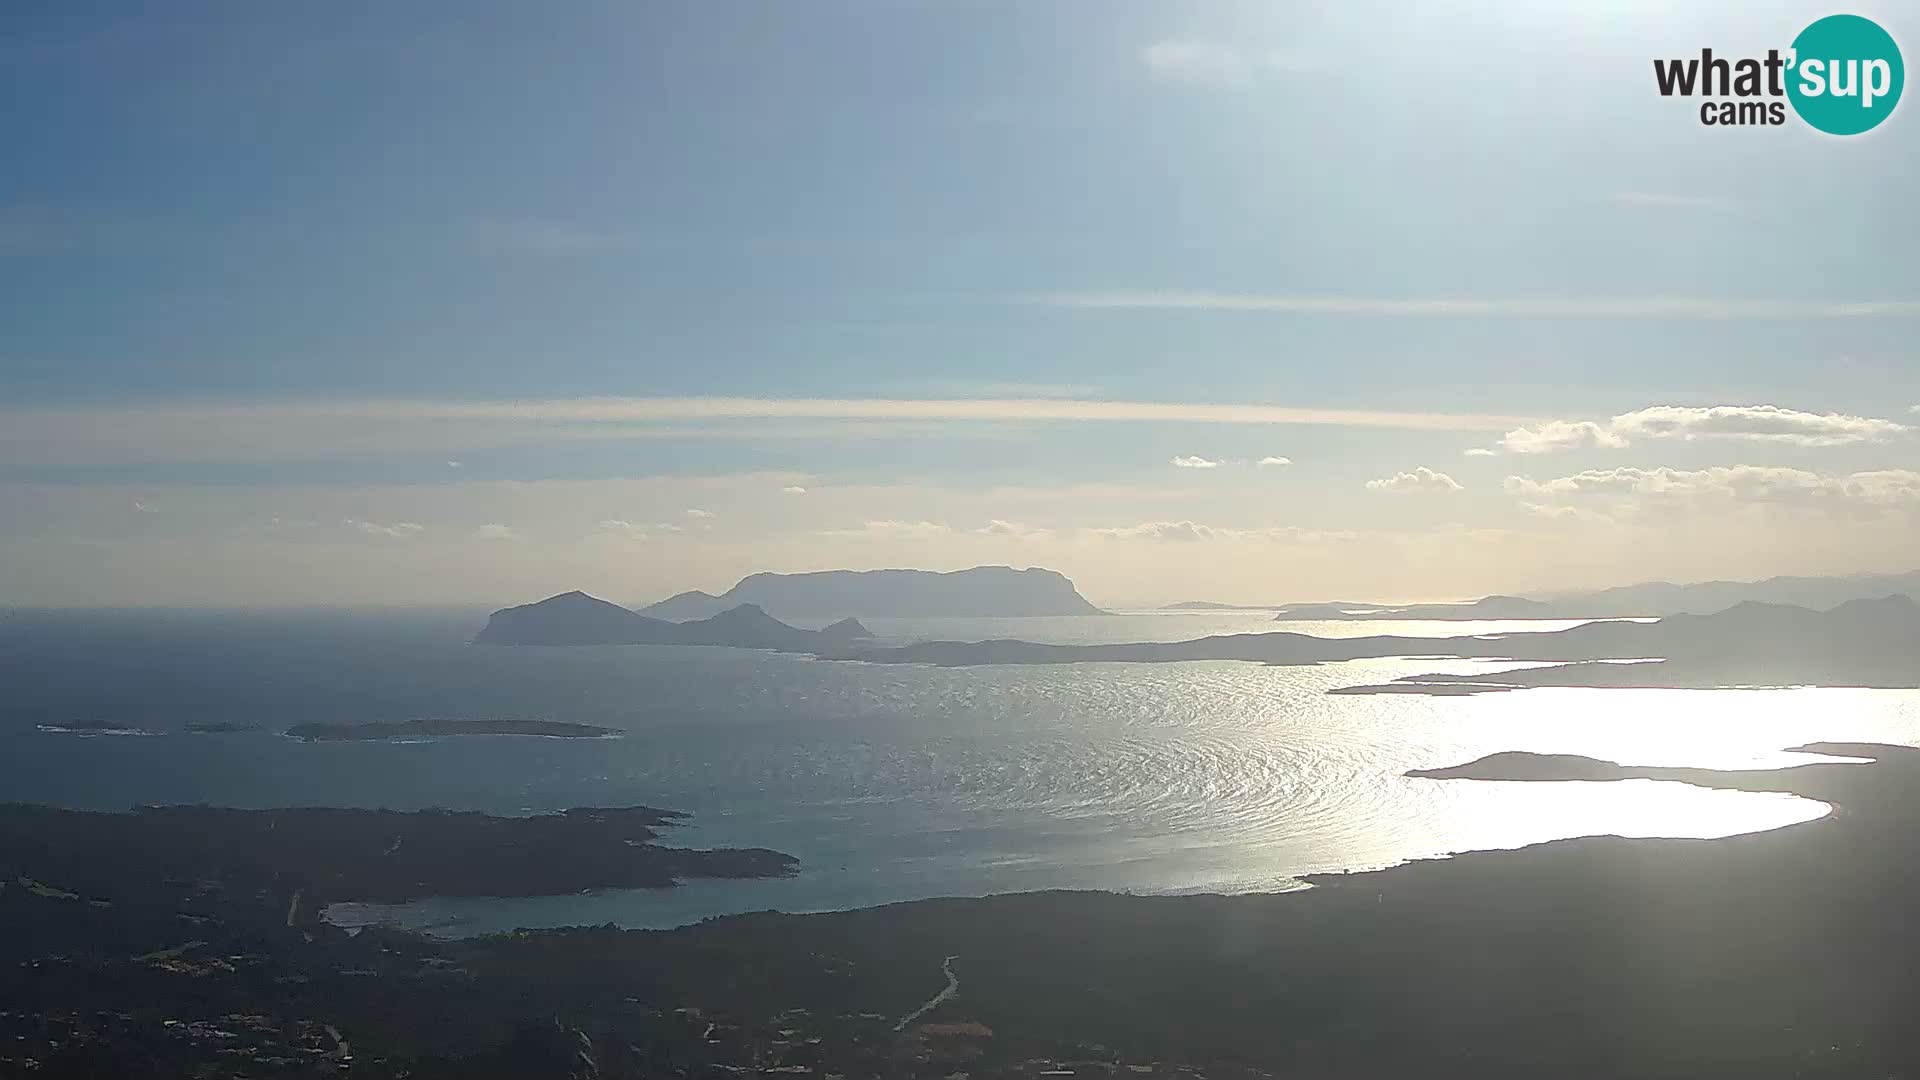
pixel 887 782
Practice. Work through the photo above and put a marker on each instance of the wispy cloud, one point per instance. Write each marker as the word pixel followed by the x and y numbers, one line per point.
pixel 1756 483
pixel 495 531
pixel 1420 479
pixel 700 515
pixel 1528 307
pixel 1275 460
pixel 1203 62
pixel 793 489
pixel 1194 461
pixel 178 432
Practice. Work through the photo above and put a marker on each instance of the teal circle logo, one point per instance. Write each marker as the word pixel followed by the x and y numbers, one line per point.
pixel 1846 75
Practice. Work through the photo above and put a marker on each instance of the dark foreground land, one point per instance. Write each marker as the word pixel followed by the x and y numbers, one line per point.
pixel 1789 953
pixel 304 859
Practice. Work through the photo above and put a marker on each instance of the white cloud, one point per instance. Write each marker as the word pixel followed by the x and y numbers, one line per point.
pixel 1195 532
pixel 145 508
pixel 1161 530
pixel 494 531
pixel 1758 423
pixel 793 489
pixel 1194 461
pixel 1276 460
pixel 1420 479
pixel 894 530
pixel 1479 451
pixel 456 464
pixel 1524 307
pixel 1012 529
pixel 1744 483
pixel 700 515
pixel 1560 435
pixel 399 530
pixel 1200 62
pixel 1752 423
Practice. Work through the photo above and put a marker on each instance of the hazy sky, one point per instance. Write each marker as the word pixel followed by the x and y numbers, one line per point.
pixel 475 302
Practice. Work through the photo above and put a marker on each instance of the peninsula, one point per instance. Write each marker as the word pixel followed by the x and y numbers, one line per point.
pixel 1858 643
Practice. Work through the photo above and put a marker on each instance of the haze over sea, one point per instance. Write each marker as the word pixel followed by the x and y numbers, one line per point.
pixel 887 782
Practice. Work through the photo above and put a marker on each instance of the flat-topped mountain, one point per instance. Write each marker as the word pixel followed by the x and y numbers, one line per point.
pixel 574 618
pixel 982 592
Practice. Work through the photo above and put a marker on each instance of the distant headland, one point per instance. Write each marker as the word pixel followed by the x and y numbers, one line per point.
pixel 1644 600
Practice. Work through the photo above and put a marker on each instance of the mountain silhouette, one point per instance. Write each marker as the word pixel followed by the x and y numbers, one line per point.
pixel 981 592
pixel 574 618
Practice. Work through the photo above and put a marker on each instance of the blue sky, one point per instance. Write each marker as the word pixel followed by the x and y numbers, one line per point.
pixel 259 264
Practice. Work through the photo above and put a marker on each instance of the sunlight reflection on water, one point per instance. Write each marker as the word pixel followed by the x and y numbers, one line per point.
pixel 893 782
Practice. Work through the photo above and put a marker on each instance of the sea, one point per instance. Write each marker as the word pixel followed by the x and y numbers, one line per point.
pixel 887 782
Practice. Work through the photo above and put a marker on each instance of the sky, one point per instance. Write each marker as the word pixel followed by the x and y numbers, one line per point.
pixel 471 303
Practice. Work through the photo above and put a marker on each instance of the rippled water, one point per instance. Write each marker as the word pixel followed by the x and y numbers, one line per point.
pixel 895 782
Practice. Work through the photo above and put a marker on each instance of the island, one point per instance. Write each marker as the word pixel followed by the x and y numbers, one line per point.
pixel 388 730
pixel 574 618
pixel 1485 608
pixel 980 592
pixel 93 727
pixel 218 727
pixel 1210 605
